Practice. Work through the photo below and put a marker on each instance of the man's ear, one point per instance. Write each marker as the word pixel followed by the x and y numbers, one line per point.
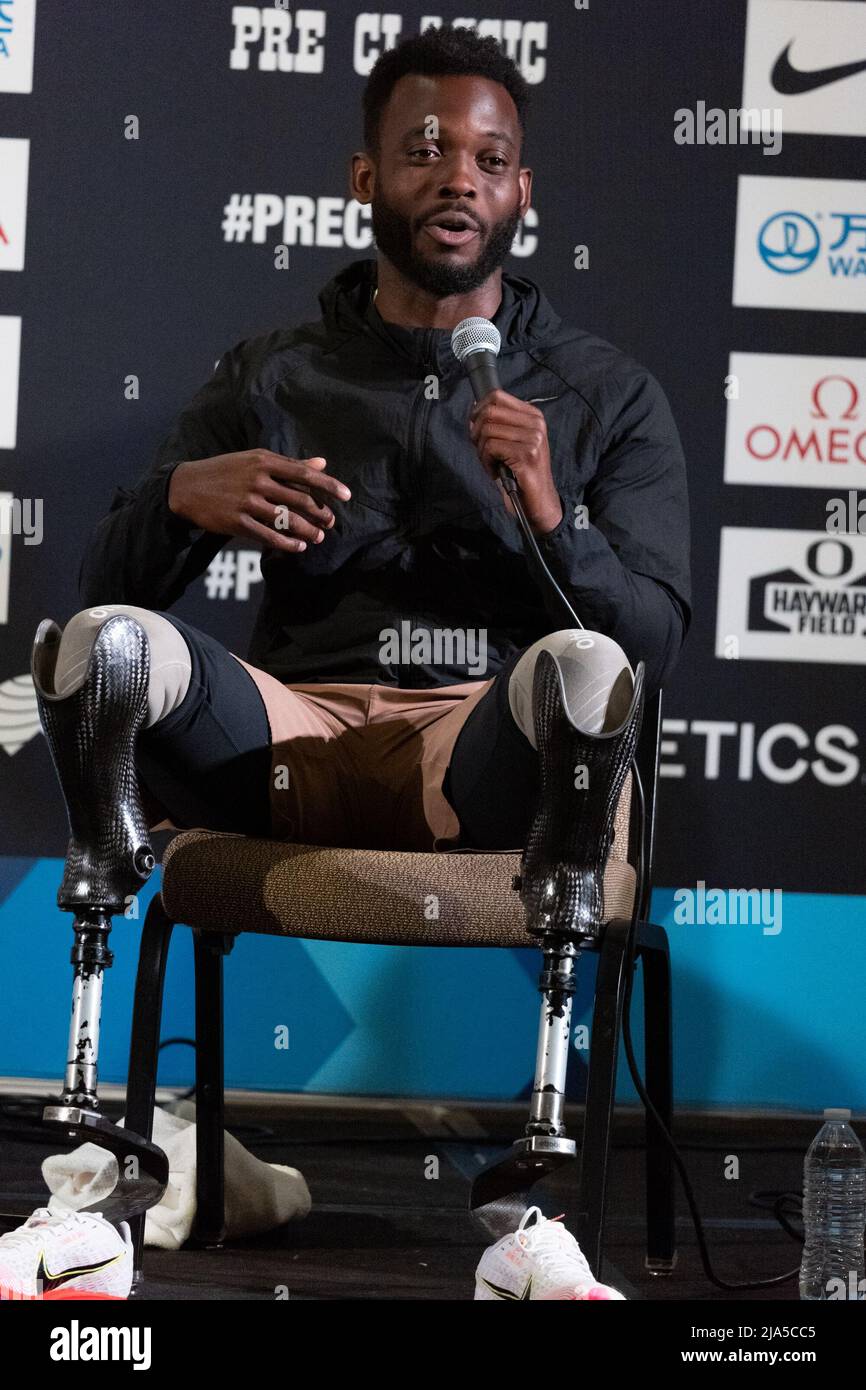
pixel 362 176
pixel 525 177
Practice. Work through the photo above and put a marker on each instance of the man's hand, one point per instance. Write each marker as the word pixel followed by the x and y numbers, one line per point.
pixel 514 432
pixel 271 498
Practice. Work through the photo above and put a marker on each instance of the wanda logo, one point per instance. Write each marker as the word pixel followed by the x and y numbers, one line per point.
pixel 835 438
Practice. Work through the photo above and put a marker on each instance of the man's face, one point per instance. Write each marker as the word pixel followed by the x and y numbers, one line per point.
pixel 467 170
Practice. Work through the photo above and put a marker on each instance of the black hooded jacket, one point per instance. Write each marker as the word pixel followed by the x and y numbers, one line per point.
pixel 425 546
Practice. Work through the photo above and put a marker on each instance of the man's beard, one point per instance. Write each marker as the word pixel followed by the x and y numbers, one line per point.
pixel 444 275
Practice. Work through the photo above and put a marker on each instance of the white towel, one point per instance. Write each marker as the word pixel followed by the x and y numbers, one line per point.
pixel 258 1196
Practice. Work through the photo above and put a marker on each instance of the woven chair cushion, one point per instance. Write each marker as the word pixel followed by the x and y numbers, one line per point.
pixel 235 883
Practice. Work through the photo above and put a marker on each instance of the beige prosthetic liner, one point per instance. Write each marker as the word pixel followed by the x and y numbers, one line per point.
pixel 170 663
pixel 598 679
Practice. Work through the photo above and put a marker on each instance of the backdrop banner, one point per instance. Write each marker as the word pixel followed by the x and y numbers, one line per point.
pixel 174 179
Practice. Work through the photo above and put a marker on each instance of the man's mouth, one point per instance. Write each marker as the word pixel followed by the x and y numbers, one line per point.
pixel 451 229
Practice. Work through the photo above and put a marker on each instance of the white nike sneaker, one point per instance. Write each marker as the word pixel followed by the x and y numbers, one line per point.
pixel 541 1261
pixel 77 1255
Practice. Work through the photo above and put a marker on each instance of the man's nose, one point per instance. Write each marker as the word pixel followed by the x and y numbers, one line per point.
pixel 458 174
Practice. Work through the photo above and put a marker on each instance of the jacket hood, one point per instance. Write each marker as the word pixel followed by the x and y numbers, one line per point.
pixel 525 318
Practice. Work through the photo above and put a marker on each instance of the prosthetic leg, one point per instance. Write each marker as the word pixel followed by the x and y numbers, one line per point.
pixel 91 732
pixel 561 885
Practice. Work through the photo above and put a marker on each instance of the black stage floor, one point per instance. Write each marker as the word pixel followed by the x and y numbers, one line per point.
pixel 381 1229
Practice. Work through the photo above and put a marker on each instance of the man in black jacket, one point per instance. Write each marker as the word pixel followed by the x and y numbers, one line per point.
pixel 414 680
pixel 386 695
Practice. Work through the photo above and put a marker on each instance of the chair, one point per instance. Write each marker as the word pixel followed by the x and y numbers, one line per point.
pixel 212 882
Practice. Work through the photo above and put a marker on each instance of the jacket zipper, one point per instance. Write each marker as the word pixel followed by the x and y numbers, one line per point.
pixel 418 413
pixel 417 423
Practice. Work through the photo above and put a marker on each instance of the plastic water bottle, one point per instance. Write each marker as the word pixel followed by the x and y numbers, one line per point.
pixel 834 1212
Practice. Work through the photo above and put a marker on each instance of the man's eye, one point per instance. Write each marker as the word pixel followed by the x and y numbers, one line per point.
pixel 496 159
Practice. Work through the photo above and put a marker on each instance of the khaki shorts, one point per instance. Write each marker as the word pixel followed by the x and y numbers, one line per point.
pixel 361 766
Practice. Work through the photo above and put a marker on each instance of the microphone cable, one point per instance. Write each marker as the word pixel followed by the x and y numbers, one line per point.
pixel 510 484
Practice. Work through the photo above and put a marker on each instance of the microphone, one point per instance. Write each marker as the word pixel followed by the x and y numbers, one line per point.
pixel 475 343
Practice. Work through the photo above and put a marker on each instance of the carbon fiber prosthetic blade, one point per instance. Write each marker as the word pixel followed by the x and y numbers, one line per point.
pixel 582 777
pixel 91 733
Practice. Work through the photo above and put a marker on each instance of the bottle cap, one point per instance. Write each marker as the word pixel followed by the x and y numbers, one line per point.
pixel 832 1114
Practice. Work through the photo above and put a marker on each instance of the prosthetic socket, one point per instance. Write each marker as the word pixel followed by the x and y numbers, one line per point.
pixel 91 733
pixel 582 776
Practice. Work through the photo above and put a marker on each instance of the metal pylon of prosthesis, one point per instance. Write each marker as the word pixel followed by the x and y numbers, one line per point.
pixel 91 734
pixel 544 1146
pixel 142 1167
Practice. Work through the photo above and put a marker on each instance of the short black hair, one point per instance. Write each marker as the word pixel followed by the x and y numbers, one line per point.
pixel 442 52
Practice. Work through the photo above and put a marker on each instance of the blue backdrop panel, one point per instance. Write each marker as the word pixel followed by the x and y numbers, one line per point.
pixel 759 1019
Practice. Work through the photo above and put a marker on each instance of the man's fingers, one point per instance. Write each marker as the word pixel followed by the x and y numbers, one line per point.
pixel 285 521
pixel 309 471
pixel 277 540
pixel 502 432
pixel 300 500
pixel 501 407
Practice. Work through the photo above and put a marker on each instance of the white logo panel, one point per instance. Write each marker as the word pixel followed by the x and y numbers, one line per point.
pixel 800 243
pixel 10 353
pixel 17 28
pixel 14 161
pixel 5 558
pixel 808 58
pixel 796 421
pixel 791 596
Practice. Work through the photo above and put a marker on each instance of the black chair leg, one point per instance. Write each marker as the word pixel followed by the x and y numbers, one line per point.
pixel 601 1091
pixel 209 949
pixel 144 1041
pixel 654 949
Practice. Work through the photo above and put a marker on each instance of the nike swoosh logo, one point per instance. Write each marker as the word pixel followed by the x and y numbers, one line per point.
pixel 791 82
pixel 51 1281
pixel 501 1292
